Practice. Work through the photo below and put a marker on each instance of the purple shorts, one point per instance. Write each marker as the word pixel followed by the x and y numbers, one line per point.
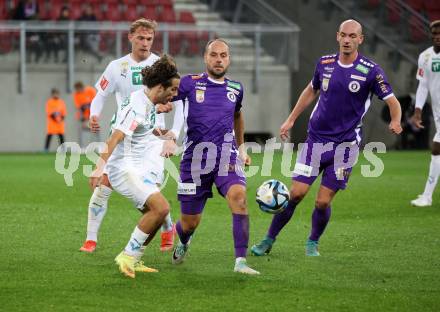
pixel 195 185
pixel 334 160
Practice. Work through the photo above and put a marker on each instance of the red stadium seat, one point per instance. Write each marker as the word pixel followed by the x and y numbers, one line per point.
pixel 416 5
pixel 434 15
pixel 168 16
pixel 131 13
pixel 186 17
pixel 431 5
pixel 112 13
pixel 150 13
pixel 130 2
pixel 75 10
pixel 6 44
pixel 373 3
pixel 394 11
pixel 417 30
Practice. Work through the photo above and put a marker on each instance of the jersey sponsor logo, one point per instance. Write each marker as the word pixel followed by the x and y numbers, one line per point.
pixel 103 83
pixel 354 86
pixel 435 66
pixel 361 78
pixel 325 82
pixel 231 97
pixel 420 72
pixel 124 69
pixel 326 75
pixel 236 92
pixel 196 77
pixel 361 68
pixel 200 96
pixel 303 169
pixel 200 88
pixel 328 61
pixel 136 78
pixel 186 188
pixel 234 85
pixel 329 69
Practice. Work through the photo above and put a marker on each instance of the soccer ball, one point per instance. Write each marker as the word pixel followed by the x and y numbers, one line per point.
pixel 272 196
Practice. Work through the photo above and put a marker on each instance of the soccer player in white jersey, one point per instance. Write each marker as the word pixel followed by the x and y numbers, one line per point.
pixel 428 76
pixel 122 77
pixel 127 153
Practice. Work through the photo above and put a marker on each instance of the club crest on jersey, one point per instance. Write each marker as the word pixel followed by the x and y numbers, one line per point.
pixel 124 69
pixel 325 82
pixel 354 86
pixel 231 96
pixel 200 96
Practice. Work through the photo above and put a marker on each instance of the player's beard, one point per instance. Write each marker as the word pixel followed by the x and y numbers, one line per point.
pixel 216 75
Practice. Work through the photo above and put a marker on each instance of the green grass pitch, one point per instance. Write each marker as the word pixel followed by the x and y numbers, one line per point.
pixel 378 252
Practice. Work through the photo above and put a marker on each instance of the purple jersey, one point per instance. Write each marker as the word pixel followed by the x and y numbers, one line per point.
pixel 211 108
pixel 345 96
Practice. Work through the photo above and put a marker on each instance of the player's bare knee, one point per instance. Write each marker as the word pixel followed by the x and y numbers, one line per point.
pixel 191 224
pixel 296 196
pixel 322 203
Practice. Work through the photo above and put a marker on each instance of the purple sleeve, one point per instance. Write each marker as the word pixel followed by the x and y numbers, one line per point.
pixel 239 99
pixel 380 86
pixel 316 81
pixel 184 87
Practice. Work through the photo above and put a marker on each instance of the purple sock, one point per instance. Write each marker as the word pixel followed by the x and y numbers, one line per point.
pixel 240 231
pixel 320 218
pixel 281 219
pixel 183 236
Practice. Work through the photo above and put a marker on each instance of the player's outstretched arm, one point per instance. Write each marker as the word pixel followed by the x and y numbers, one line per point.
pixel 116 137
pixel 95 111
pixel 395 113
pixel 304 100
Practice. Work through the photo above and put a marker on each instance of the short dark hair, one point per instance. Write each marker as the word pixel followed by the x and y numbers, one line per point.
pixel 163 71
pixel 433 24
pixel 54 90
pixel 78 85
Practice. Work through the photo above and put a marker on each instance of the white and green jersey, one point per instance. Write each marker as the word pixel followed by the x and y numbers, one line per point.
pixel 429 74
pixel 136 120
pixel 122 77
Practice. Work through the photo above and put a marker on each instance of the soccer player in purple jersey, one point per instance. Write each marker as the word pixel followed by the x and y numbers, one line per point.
pixel 213 105
pixel 345 82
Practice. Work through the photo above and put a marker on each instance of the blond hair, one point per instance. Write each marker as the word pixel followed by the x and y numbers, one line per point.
pixel 144 23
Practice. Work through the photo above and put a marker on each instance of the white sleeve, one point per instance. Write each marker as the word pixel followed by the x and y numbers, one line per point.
pixel 160 121
pixel 421 94
pixel 178 118
pixel 97 104
pixel 106 83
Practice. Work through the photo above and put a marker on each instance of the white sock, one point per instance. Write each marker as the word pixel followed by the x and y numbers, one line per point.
pixel 167 224
pixel 137 240
pixel 434 172
pixel 97 210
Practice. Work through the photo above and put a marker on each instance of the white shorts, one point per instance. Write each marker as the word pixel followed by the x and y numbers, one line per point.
pixel 129 183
